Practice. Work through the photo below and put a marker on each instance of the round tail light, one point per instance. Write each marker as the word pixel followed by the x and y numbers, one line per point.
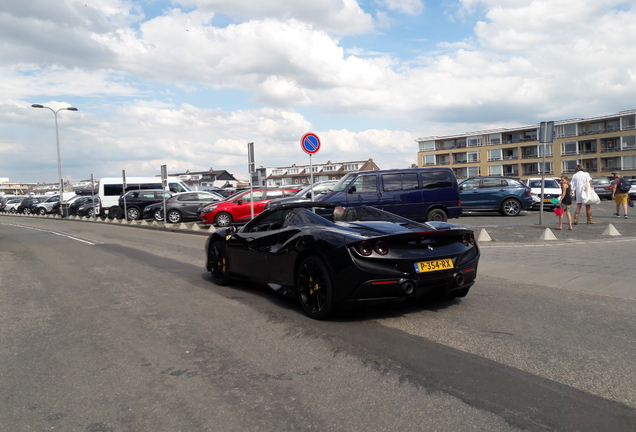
pixel 381 248
pixel 365 248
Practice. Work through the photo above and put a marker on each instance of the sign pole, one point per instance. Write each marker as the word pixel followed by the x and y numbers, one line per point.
pixel 251 167
pixel 93 195
pixel 164 183
pixel 123 187
pixel 546 135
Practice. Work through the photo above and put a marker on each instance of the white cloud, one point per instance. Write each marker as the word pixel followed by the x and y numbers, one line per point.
pixel 336 16
pixel 409 7
pixel 525 60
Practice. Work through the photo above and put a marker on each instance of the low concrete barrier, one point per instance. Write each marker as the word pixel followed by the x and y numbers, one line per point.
pixel 146 223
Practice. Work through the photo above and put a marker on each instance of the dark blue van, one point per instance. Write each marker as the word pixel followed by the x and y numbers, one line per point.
pixel 420 194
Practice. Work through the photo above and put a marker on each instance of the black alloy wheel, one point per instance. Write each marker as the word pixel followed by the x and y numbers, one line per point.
pixel 510 207
pixel 133 213
pixel 26 211
pixel 90 212
pixel 314 288
pixel 219 264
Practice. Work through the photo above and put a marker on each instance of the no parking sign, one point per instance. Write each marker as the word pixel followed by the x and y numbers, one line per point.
pixel 310 143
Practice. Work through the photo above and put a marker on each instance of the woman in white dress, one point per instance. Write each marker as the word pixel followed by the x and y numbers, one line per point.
pixel 578 181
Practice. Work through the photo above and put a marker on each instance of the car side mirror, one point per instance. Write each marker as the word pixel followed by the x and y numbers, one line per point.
pixel 239 202
pixel 461 187
pixel 352 189
pixel 308 195
pixel 232 229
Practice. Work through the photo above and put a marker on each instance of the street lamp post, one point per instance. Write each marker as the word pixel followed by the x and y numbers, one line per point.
pixel 57 140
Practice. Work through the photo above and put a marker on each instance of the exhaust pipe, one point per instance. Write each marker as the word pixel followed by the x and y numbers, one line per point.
pixel 408 287
pixel 459 279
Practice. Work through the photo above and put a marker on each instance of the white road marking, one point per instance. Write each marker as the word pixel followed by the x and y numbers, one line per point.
pixel 91 243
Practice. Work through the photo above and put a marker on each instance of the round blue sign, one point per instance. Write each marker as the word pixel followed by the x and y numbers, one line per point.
pixel 310 143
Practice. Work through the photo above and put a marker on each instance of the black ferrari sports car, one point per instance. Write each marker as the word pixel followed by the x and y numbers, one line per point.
pixel 327 255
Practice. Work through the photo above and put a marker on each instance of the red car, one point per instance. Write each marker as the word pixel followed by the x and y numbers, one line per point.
pixel 239 209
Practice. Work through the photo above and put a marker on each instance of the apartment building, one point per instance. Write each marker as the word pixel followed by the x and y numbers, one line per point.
pixel 601 144
pixel 301 174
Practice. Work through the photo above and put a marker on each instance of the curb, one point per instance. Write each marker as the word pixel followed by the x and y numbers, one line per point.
pixel 194 227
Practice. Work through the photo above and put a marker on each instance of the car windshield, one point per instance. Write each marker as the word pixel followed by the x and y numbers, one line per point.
pixel 343 183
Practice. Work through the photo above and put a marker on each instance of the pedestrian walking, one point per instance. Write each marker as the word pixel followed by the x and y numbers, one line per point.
pixel 565 201
pixel 620 195
pixel 579 180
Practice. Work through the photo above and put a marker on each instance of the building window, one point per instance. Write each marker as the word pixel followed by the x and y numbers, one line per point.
pixel 611 163
pixel 460 173
pixel 428 160
pixel 329 167
pixel 586 147
pixel 459 158
pixel 511 170
pixel 564 131
pixel 493 139
pixel 427 145
pixel 629 162
pixel 443 159
pixel 474 141
pixel 569 166
pixel 629 142
pixel 292 171
pixel 473 171
pixel 472 156
pixel 610 145
pixel 494 155
pixel 351 167
pixel 277 172
pixel 495 170
pixel 628 122
pixel 569 148
pixel 509 153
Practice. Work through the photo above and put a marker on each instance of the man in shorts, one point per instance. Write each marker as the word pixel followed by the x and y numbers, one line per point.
pixel 620 197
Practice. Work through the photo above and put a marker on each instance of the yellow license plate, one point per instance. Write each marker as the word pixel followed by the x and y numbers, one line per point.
pixel 548 200
pixel 427 266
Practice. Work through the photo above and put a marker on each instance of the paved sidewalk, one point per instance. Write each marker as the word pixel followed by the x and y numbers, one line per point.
pixel 583 259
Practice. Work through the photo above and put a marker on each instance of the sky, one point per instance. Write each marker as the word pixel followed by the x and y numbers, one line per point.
pixel 188 83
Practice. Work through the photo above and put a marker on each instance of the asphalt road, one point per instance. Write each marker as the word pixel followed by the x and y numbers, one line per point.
pixel 115 328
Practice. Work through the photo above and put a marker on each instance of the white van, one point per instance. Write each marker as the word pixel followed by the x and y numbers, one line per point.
pixel 111 188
